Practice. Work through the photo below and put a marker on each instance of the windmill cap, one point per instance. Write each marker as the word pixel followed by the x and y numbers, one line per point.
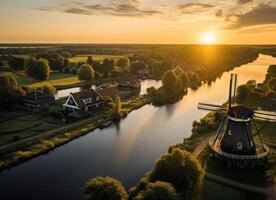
pixel 241 112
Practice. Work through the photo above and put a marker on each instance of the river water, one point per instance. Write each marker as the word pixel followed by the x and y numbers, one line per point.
pixel 125 151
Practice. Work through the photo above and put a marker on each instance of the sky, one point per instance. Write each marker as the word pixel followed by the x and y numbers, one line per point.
pixel 138 21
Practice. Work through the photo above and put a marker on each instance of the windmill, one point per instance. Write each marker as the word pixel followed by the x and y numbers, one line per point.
pixel 234 143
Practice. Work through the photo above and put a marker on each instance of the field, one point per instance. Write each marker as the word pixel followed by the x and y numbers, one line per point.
pixel 98 57
pixel 24 124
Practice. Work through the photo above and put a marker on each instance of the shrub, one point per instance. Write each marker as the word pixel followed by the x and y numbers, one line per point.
pixel 181 169
pixel 158 191
pixel 123 63
pixel 101 188
pixel 86 72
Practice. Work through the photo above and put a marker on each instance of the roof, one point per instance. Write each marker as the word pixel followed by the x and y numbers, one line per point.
pixel 108 91
pixel 37 96
pixel 127 78
pixel 241 112
pixel 86 94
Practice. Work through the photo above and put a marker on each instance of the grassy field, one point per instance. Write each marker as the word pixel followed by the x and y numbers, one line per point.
pixel 98 57
pixel 24 124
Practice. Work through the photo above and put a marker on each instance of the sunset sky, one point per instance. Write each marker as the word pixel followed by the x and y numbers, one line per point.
pixel 139 21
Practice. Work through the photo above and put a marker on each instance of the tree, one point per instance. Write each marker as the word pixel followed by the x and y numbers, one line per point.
pixel 170 81
pixel 185 79
pixel 158 191
pixel 194 79
pixel 16 62
pixel 117 109
pixel 101 188
pixel 272 84
pixel 181 169
pixel 86 72
pixel 37 68
pixel 107 66
pixel 66 54
pixel 56 61
pixel 164 66
pixel 123 63
pixel 10 90
pixel 90 60
pixel 138 65
pixel 271 72
pixel 67 63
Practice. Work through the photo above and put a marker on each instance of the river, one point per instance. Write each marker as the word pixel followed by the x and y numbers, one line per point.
pixel 125 151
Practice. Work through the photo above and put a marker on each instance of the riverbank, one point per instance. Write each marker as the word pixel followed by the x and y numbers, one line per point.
pixel 40 146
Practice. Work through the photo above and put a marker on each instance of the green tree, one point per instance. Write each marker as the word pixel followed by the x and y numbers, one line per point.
pixel 272 83
pixel 10 90
pixel 158 191
pixel 67 63
pixel 138 65
pixel 107 188
pixel 56 61
pixel 164 66
pixel 170 81
pixel 66 54
pixel 107 66
pixel 185 79
pixel 16 62
pixel 117 109
pixel 123 63
pixel 37 68
pixel 86 72
pixel 90 60
pixel 271 72
pixel 181 169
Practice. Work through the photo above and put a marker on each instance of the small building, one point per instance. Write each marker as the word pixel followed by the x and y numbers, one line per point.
pixel 86 100
pixel 36 99
pixel 128 80
pixel 108 91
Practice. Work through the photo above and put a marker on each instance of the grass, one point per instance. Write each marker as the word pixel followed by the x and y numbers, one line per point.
pixel 98 57
pixel 58 82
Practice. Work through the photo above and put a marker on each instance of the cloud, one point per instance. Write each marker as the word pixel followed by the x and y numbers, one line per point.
pixel 259 15
pixel 218 13
pixel 191 8
pixel 244 1
pixel 129 8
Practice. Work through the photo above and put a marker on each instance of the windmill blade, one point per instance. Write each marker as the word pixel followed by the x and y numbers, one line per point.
pixel 265 113
pixel 230 92
pixel 235 87
pixel 211 107
pixel 270 119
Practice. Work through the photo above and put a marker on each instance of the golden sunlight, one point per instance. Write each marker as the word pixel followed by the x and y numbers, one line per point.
pixel 209 38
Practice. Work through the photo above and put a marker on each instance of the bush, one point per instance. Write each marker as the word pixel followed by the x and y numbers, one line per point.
pixel 137 65
pixel 49 89
pixel 158 191
pixel 38 68
pixel 101 188
pixel 86 72
pixel 181 169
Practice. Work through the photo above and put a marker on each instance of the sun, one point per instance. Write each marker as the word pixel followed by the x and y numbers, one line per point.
pixel 209 38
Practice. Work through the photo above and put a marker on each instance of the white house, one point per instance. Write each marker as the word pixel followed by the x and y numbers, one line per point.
pixel 86 100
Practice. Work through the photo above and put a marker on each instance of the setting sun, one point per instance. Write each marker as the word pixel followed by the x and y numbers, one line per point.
pixel 209 38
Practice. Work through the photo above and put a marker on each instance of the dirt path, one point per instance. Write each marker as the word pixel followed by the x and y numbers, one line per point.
pixel 268 191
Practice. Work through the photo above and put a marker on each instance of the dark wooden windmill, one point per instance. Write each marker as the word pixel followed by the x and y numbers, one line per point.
pixel 234 142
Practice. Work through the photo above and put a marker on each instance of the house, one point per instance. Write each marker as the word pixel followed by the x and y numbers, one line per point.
pixel 128 80
pixel 108 91
pixel 36 99
pixel 86 100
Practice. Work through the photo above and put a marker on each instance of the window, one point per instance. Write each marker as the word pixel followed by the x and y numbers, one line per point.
pixel 239 145
pixel 87 101
pixel 229 132
pixel 97 98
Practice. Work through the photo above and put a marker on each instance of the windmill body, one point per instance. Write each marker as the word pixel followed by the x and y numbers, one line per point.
pixel 234 142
